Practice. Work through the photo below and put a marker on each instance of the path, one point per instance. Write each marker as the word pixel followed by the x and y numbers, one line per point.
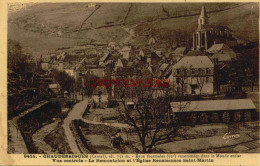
pixel 118 125
pixel 16 144
pixel 40 134
pixel 77 113
pixel 84 21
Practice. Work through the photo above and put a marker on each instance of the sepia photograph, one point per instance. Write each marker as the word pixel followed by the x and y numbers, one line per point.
pixel 133 78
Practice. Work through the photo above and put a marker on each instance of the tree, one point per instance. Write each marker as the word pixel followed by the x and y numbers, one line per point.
pixel 87 83
pixel 220 76
pixel 23 79
pixel 18 61
pixel 22 73
pixel 66 82
pixel 149 118
pixel 201 79
pixel 249 61
pixel 237 75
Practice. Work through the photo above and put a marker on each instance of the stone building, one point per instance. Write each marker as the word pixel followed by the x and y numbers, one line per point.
pixel 193 75
pixel 207 34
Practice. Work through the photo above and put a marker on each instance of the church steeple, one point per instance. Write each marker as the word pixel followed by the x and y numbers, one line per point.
pixel 200 37
pixel 203 19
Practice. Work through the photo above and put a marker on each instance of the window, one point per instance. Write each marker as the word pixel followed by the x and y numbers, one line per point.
pixel 185 71
pixel 207 79
pixel 207 71
pixel 178 80
pixel 178 90
pixel 192 71
pixel 178 71
pixel 200 71
pixel 203 39
pixel 193 87
pixel 197 39
pixel 192 90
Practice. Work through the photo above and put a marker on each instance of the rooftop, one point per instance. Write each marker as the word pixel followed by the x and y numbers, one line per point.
pixel 179 50
pixel 218 47
pixel 194 62
pixel 213 105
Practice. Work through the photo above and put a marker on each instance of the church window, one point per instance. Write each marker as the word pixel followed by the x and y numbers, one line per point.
pixel 203 39
pixel 197 38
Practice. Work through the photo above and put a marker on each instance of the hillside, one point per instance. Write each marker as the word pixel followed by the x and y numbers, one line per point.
pixel 47 26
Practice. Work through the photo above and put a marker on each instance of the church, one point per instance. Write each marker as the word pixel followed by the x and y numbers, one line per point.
pixel 206 34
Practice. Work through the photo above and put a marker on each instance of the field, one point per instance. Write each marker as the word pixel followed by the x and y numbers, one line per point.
pixel 47 26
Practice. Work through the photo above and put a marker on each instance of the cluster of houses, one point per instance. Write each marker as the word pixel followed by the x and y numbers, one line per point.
pixel 190 70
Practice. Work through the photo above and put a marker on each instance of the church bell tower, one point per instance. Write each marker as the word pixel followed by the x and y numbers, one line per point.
pixel 200 35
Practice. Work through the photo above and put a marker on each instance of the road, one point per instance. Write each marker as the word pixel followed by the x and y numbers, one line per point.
pixel 77 113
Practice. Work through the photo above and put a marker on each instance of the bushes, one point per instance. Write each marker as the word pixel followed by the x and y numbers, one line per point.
pixel 34 120
pixel 235 95
pixel 112 104
pixel 57 141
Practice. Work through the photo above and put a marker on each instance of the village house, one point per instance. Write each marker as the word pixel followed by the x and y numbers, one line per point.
pixel 112 46
pixel 91 5
pixel 221 53
pixel 126 52
pixel 122 63
pixel 165 68
pixel 103 60
pixel 54 89
pixel 151 41
pixel 154 59
pixel 69 68
pixel 45 64
pixel 97 71
pixel 179 52
pixel 145 52
pixel 193 75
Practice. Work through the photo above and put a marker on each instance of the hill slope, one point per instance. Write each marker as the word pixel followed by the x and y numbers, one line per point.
pixel 48 26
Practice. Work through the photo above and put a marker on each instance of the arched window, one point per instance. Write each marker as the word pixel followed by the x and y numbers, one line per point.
pixel 203 39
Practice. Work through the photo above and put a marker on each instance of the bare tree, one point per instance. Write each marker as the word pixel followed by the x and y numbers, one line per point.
pixel 150 117
pixel 201 82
